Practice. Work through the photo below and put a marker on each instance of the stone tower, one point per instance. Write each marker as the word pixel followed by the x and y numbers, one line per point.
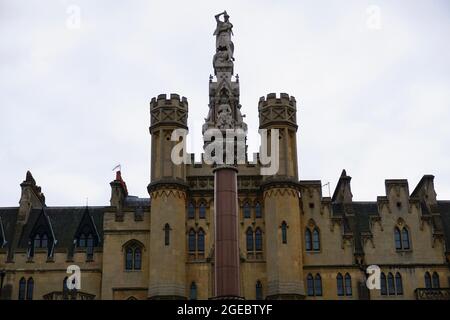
pixel 281 201
pixel 224 116
pixel 167 254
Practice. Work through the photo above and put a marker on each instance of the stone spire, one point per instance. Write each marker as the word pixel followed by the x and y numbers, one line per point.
pixel 224 107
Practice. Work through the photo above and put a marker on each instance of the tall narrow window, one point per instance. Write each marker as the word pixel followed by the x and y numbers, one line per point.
pixel 316 240
pixel 249 238
pixel 391 285
pixel 428 284
pixel 383 284
pixel 191 211
pixel 193 291
pixel 436 283
pixel 30 288
pixel 398 284
pixel 22 288
pixel 318 285
pixel 166 234
pixel 90 246
pixel 137 258
pixel 37 241
pixel 258 240
pixel 258 213
pixel 129 259
pixel 191 241
pixel 310 285
pixel 308 240
pixel 348 285
pixel 246 209
pixel 201 241
pixel 284 232
pixel 258 288
pixel 340 285
pixel 405 239
pixel 82 241
pixel 398 239
pixel 202 211
pixel 44 241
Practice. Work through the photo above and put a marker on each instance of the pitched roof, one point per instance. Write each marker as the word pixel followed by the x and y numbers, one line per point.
pixel 63 221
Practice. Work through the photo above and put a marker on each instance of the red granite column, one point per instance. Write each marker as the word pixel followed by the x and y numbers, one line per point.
pixel 227 282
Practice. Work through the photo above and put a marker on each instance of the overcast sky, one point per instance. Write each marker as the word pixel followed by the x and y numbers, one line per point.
pixel 371 79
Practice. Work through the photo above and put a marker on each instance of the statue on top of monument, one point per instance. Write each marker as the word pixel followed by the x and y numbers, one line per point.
pixel 223 32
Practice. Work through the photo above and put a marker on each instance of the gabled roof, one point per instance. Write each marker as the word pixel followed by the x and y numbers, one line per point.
pixel 87 221
pixel 62 223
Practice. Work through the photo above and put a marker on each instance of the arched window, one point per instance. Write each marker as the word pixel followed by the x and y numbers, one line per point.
pixel 202 211
pixel 348 285
pixel 308 240
pixel 246 209
pixel 316 240
pixel 398 284
pixel 436 283
pixel 284 232
pixel 166 234
pixel 22 288
pixel 405 239
pixel 258 239
pixel 258 213
pixel 383 284
pixel 193 291
pixel 201 241
pixel 30 288
pixel 258 288
pixel 428 284
pixel 310 285
pixel 191 211
pixel 390 284
pixel 340 285
pixel 191 241
pixel 133 256
pixel 249 238
pixel 318 285
pixel 398 239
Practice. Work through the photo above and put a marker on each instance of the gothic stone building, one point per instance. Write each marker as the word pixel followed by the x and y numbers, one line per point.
pixel 294 242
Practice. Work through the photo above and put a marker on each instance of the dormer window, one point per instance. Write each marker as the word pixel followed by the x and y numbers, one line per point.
pixel 86 240
pixel 39 241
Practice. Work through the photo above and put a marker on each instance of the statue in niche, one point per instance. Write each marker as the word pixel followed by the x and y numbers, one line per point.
pixel 223 34
pixel 224 117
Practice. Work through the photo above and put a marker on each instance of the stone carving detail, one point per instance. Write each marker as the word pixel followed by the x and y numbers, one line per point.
pixel 224 117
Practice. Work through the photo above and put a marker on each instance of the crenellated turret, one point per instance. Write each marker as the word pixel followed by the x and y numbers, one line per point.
pixel 167 191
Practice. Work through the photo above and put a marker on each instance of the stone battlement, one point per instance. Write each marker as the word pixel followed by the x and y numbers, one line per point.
pixel 272 99
pixel 174 99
